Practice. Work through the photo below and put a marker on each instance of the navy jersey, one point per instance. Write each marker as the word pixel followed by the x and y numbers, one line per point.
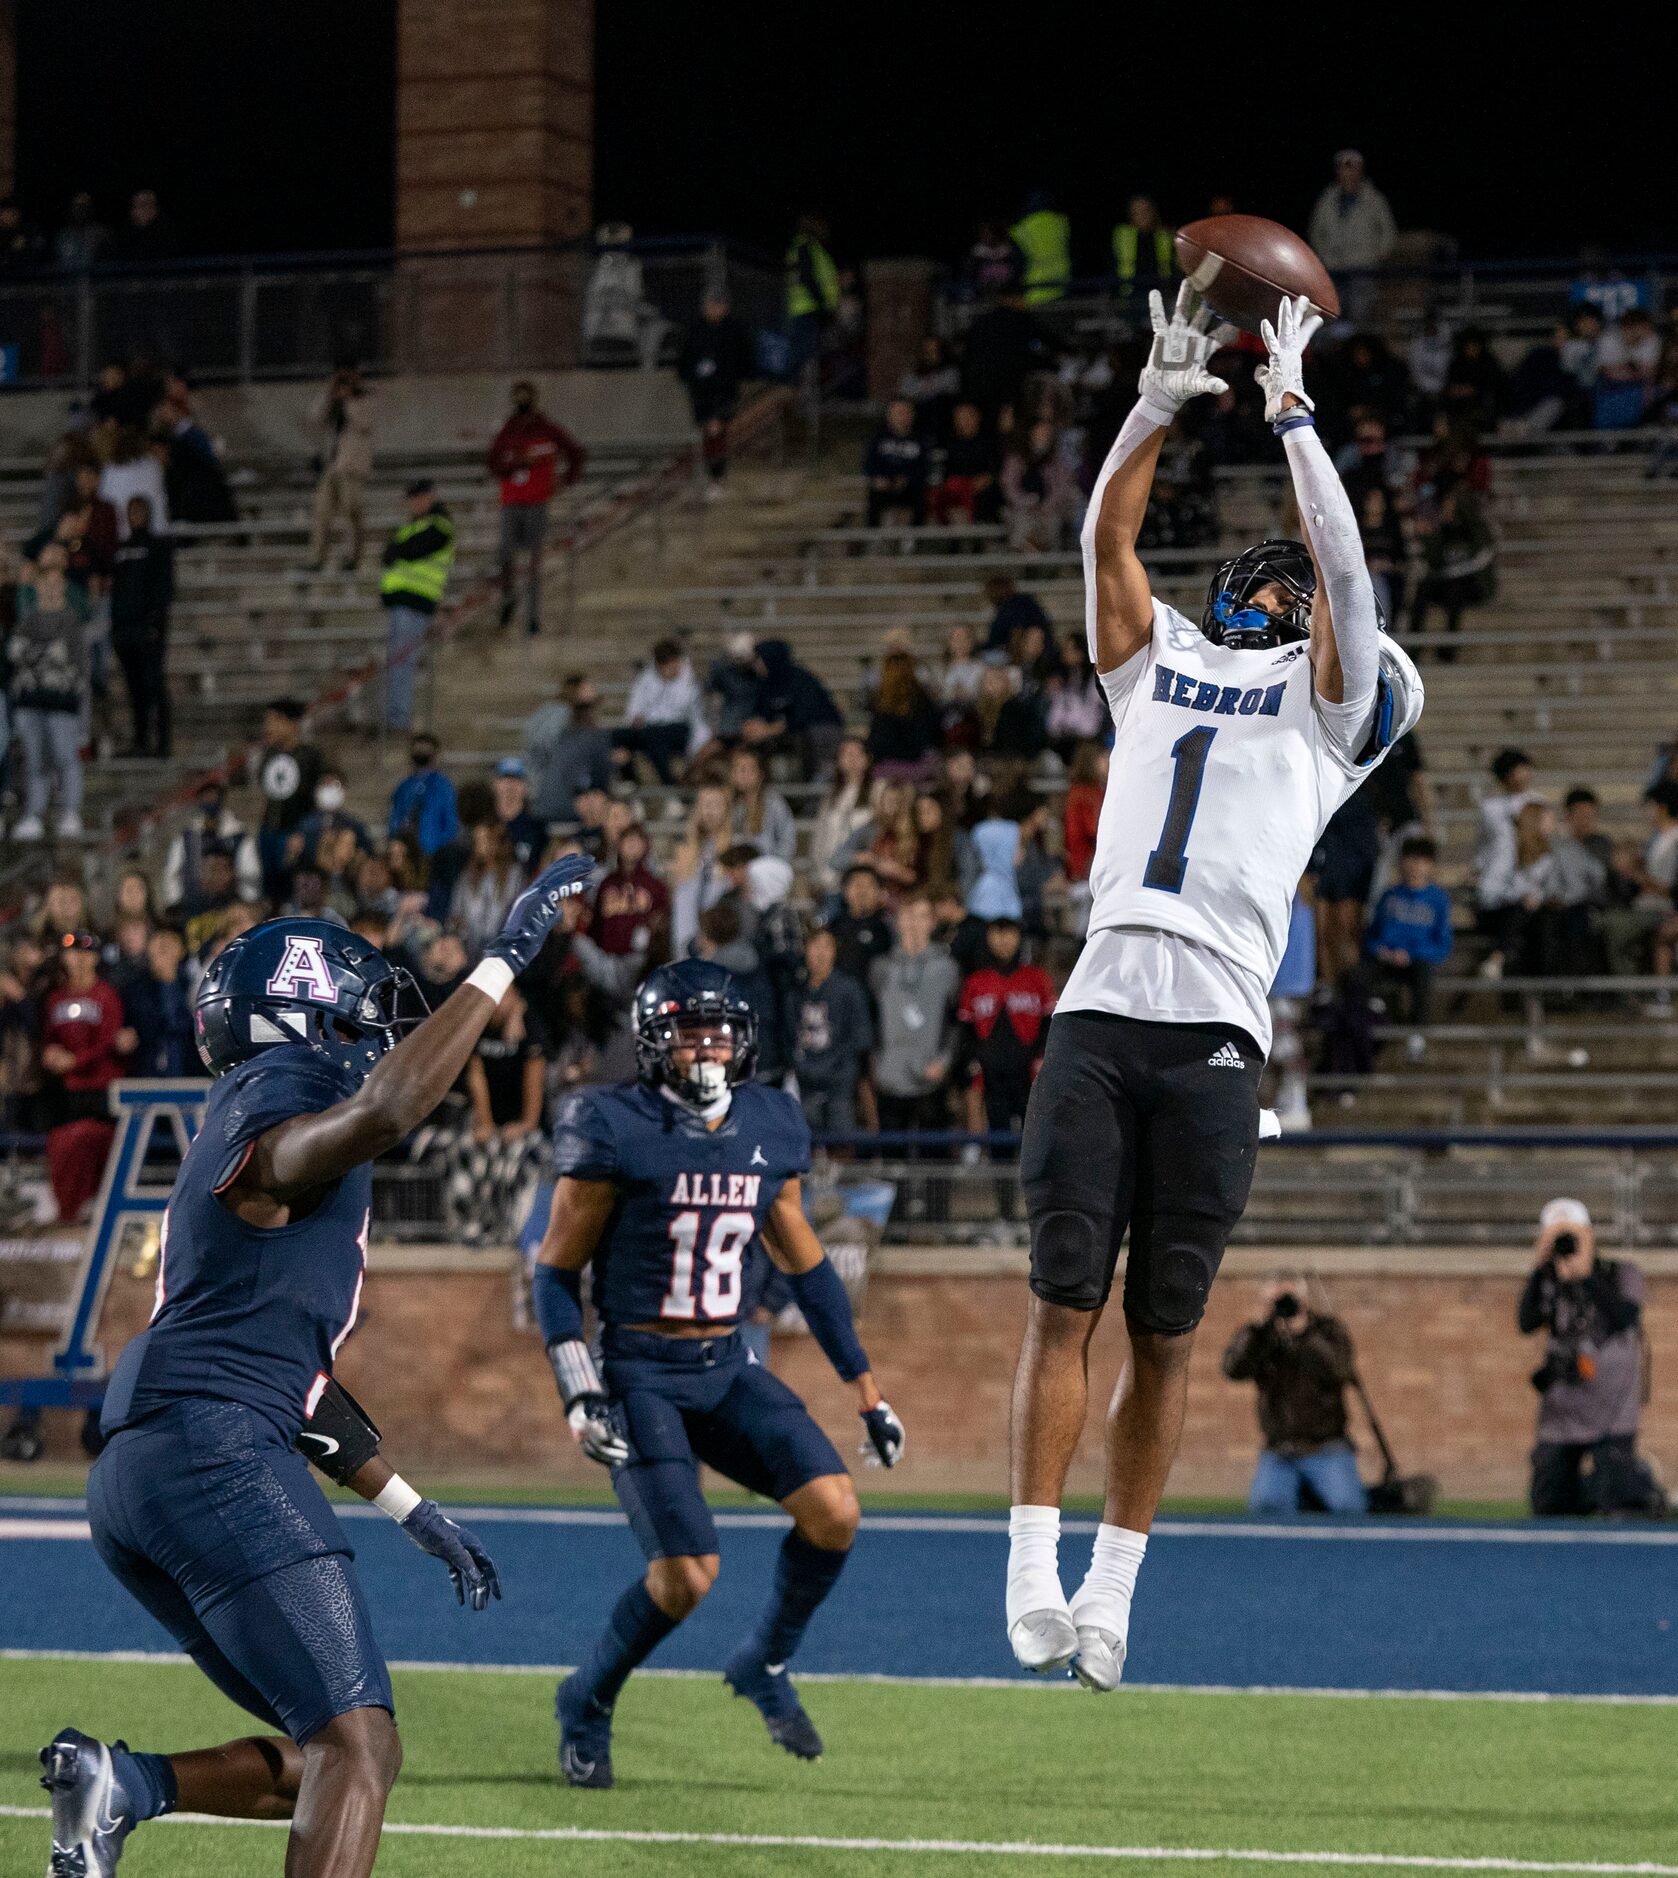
pixel 245 1314
pixel 691 1201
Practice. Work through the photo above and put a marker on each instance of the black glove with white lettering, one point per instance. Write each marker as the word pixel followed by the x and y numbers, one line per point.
pixel 535 913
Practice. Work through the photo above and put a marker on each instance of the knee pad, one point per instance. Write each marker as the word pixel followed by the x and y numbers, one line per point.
pixel 1166 1292
pixel 1069 1262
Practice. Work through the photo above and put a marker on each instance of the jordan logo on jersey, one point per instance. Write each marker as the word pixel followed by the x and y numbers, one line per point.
pixel 716 1190
pixel 1200 694
pixel 302 973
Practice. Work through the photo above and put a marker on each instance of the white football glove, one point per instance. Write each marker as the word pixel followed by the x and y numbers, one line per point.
pixel 1284 372
pixel 593 1431
pixel 1176 369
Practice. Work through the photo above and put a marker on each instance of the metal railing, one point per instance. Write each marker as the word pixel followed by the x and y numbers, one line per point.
pixel 297 316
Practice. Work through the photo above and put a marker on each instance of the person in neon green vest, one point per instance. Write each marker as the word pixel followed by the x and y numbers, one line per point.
pixel 1143 256
pixel 417 559
pixel 1044 236
pixel 812 290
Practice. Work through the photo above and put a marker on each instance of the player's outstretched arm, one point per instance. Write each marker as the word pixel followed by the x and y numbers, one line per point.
pixel 581 1209
pixel 1118 602
pixel 312 1151
pixel 820 1294
pixel 1345 628
pixel 341 1439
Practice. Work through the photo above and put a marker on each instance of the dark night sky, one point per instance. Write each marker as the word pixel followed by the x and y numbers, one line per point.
pixel 270 128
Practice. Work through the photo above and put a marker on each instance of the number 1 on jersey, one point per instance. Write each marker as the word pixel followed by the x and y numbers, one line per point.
pixel 1169 862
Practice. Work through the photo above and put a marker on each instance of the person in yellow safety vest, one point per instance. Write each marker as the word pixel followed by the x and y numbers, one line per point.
pixel 1143 254
pixel 417 559
pixel 812 290
pixel 1044 236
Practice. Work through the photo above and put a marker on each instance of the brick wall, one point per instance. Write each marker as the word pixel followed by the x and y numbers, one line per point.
pixel 457 1389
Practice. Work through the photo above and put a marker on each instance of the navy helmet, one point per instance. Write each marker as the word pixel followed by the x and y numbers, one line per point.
pixel 695 1004
pixel 304 981
pixel 1230 618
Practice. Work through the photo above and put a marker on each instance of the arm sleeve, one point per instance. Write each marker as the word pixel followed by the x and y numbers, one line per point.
pixel 584 1144
pixel 821 1296
pixel 1325 512
pixel 557 1299
pixel 1141 424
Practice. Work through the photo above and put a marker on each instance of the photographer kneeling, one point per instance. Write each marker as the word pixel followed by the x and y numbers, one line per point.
pixel 1301 1362
pixel 1590 1383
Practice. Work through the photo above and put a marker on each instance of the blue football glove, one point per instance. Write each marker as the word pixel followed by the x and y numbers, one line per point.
pixel 470 1566
pixel 535 913
pixel 884 1446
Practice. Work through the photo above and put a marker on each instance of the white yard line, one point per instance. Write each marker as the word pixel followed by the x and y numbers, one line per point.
pixel 1029 1685
pixel 952 1848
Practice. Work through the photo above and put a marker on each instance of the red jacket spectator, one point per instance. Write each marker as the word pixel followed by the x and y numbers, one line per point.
pixel 1083 816
pixel 630 904
pixel 526 454
pixel 85 1022
pixel 1005 1008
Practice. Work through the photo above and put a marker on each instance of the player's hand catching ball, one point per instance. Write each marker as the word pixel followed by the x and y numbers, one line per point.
pixel 470 1566
pixel 595 1433
pixel 1283 374
pixel 885 1437
pixel 535 913
pixel 1182 350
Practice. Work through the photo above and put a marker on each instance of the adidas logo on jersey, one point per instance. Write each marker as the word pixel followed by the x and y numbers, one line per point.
pixel 1226 1056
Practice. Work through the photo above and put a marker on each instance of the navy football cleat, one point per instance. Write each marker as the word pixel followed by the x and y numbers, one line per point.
pixel 585 1737
pixel 768 1687
pixel 92 1812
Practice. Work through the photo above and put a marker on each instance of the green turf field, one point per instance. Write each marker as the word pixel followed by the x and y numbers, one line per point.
pixel 1549 1782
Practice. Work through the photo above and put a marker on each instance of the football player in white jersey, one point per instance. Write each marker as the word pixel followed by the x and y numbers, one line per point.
pixel 1236 740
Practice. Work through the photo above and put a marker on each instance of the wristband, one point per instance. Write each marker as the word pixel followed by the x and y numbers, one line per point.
pixel 397 1498
pixel 493 977
pixel 1160 414
pixel 1292 419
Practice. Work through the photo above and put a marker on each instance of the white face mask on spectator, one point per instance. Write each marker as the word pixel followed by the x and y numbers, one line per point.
pixel 329 797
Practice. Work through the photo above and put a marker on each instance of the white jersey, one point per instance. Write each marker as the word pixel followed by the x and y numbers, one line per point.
pixel 1226 767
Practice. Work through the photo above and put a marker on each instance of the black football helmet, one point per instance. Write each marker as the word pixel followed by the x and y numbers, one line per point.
pixel 1231 619
pixel 694 1002
pixel 303 981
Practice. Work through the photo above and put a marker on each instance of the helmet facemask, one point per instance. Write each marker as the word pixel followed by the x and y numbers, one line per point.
pixel 1261 599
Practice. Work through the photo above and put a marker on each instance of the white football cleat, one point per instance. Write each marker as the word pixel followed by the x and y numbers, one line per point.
pixel 1100 1660
pixel 1043 1641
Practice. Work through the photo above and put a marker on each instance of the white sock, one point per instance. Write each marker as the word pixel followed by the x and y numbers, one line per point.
pixel 1033 1561
pixel 1103 1599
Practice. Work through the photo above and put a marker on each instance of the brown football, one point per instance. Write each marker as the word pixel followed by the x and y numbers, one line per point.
pixel 1242 266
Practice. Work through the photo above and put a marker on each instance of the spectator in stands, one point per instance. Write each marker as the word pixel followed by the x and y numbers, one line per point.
pixel 890 843
pixel 146 236
pixel 914 987
pixel 664 718
pixel 63 910
pixel 904 726
pixel 487 886
pixel 1013 717
pixel 1040 490
pixel 198 485
pixel 157 1007
pixel 898 468
pixel 930 385
pixel 1003 1014
pixel 1384 551
pixel 631 910
pixel 1459 553
pixel 835 1034
pixel 209 820
pixel 760 814
pixel 956 687
pixel 994 265
pixel 82 239
pixel 51 673
pixel 734 681
pixel 1077 704
pixel 812 281
pixel 794 711
pixel 1344 866
pixel 1515 893
pixel 142 592
pixel 1410 934
pixel 1302 1361
pixel 88 528
pixel 845 810
pixel 1590 1383
pixel 696 879
pixel 1627 364
pixel 530 454
pixel 995 892
pixel 965 791
pixel 968 490
pixel 1427 358
pixel 1005 344
pixel 862 928
pixel 526 834
pixel 21 991
pixel 417 559
pixel 423 805
pixel 504 1076
pixel 1370 382
pixel 1080 817
pixel 1542 392
pixel 1353 231
pixel 1476 387
pixel 943 854
pixel 714 362
pixel 1011 610
pixel 134 469
pixel 343 418
pixel 1641 887
pixel 577 759
pixel 1143 256
pixel 329 816
pixel 84 1046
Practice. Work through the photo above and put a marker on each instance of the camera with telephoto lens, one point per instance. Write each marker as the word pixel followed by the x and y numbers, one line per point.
pixel 1287 1307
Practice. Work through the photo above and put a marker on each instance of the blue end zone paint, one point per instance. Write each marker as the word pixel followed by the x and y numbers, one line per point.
pixel 1218 1604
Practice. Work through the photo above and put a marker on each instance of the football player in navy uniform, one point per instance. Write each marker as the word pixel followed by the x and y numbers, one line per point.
pixel 202 1503
pixel 664 1184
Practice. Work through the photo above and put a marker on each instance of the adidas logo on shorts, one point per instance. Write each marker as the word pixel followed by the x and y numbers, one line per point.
pixel 1226 1056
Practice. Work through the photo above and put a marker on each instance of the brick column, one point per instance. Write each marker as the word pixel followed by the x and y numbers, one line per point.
pixel 494 149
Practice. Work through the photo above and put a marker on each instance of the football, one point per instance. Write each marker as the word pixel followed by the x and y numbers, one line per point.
pixel 1242 266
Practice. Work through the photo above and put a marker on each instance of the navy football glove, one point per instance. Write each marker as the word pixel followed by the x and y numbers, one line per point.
pixel 535 913
pixel 884 1446
pixel 470 1567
